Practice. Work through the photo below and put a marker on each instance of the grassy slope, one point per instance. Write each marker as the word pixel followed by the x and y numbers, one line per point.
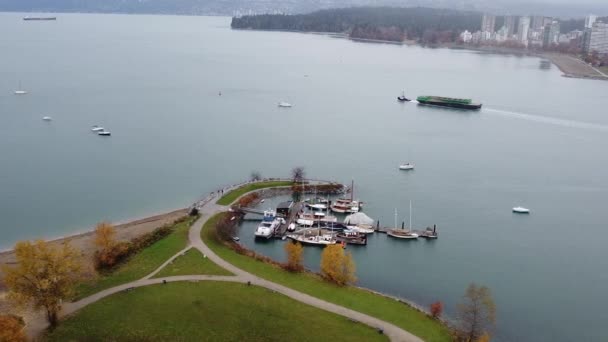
pixel 350 297
pixel 207 311
pixel 142 263
pixel 236 193
pixel 192 262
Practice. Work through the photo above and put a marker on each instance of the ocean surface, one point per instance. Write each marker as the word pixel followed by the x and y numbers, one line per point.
pixel 154 81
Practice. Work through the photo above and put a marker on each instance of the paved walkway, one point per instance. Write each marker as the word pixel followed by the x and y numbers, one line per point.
pixel 207 210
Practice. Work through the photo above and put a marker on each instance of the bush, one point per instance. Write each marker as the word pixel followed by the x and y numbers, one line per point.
pixel 11 329
pixel 337 266
pixel 294 257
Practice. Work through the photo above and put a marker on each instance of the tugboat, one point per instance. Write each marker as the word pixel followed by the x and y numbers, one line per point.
pixel 448 102
pixel 402 98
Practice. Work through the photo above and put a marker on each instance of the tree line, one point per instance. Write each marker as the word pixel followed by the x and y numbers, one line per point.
pixel 384 23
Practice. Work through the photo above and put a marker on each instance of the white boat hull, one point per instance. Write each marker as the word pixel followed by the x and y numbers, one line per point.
pixel 520 210
pixel 406 167
pixel 411 236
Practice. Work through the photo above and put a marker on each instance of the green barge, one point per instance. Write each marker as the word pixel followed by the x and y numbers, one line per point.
pixel 448 102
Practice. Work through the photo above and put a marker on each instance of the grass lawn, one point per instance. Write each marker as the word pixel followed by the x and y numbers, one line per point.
pixel 193 262
pixel 207 311
pixel 231 196
pixel 142 263
pixel 360 300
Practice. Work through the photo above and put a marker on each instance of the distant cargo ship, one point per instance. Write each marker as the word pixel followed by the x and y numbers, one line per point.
pixel 39 18
pixel 448 102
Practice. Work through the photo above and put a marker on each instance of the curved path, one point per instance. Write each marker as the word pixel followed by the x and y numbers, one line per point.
pixel 207 210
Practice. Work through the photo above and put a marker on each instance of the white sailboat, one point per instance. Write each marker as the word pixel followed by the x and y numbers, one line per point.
pixel 20 90
pixel 403 233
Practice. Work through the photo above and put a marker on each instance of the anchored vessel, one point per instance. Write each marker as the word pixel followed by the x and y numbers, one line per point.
pixel 448 102
pixel 39 18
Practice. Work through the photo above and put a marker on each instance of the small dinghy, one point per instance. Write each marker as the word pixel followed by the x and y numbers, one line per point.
pixel 96 128
pixel 521 210
pixel 104 133
pixel 47 118
pixel 285 105
pixel 406 166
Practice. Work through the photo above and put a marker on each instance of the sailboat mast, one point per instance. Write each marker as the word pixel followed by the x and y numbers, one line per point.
pixel 352 190
pixel 410 215
pixel 395 218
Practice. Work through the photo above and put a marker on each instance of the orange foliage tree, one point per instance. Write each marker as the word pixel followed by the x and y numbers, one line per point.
pixel 294 257
pixel 44 276
pixel 337 266
pixel 11 329
pixel 436 309
pixel 477 314
pixel 105 236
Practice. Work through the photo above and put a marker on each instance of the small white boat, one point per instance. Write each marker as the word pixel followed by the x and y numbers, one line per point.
pixel 235 238
pixel 268 225
pixel 96 128
pixel 104 133
pixel 20 90
pixel 406 166
pixel 291 227
pixel 285 105
pixel 521 210
pixel 47 118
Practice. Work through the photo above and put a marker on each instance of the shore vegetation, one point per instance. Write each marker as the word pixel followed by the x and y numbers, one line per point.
pixel 231 196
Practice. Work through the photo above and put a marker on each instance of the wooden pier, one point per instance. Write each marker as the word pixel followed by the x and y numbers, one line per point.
pixel 293 214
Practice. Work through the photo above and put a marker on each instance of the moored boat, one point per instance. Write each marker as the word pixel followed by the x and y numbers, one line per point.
pixel 267 227
pixel 352 237
pixel 104 133
pixel 521 210
pixel 285 105
pixel 403 233
pixel 406 166
pixel 429 233
pixel 313 240
pixel 448 102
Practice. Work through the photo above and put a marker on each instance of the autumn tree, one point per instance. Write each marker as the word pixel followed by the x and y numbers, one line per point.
pixel 476 314
pixel 298 174
pixel 294 257
pixel 225 227
pixel 105 236
pixel 436 309
pixel 11 329
pixel 44 276
pixel 337 265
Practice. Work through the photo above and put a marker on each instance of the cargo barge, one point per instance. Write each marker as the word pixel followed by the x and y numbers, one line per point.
pixel 448 102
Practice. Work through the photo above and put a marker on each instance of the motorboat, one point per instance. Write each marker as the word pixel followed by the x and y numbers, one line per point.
pixel 402 98
pixel 104 133
pixel 268 225
pixel 47 118
pixel 352 237
pixel 285 105
pixel 406 166
pixel 521 210
pixel 96 128
pixel 345 206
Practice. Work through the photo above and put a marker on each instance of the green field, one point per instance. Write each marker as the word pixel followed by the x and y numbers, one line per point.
pixel 232 196
pixel 360 300
pixel 207 311
pixel 192 262
pixel 142 263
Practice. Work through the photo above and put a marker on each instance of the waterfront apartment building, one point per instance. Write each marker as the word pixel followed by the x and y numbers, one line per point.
pixel 551 34
pixel 523 29
pixel 488 23
pixel 537 23
pixel 589 20
pixel 596 38
pixel 510 25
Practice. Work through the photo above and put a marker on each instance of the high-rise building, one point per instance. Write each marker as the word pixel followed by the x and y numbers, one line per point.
pixel 596 38
pixel 551 34
pixel 522 30
pixel 488 23
pixel 537 22
pixel 589 20
pixel 510 25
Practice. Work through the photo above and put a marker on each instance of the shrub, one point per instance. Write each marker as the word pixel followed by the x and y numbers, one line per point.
pixel 337 266
pixel 294 257
pixel 11 329
pixel 436 309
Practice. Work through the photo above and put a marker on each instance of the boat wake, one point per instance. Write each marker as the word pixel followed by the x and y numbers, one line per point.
pixel 550 120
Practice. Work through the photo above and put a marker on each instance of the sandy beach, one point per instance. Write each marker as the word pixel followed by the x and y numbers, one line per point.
pixel 124 232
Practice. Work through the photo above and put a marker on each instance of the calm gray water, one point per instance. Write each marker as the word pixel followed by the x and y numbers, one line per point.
pixel 154 80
